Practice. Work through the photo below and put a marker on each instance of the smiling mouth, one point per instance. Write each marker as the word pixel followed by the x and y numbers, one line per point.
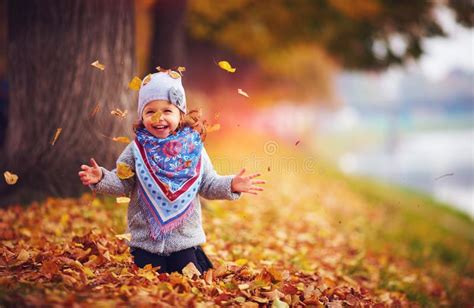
pixel 160 127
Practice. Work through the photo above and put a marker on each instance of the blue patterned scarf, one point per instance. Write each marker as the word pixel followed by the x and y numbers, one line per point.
pixel 169 175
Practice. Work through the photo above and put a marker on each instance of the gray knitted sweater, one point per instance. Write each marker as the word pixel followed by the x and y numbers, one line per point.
pixel 190 233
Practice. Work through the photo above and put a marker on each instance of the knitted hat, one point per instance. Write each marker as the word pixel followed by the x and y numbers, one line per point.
pixel 162 86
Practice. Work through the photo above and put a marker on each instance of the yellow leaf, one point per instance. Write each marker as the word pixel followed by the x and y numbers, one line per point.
pixel 146 79
pixel 125 236
pixel 155 118
pixel 149 275
pixel 119 113
pixel 190 270
pixel 124 171
pixel 174 75
pixel 121 200
pixel 64 219
pixel 89 273
pixel 181 69
pixel 23 255
pixel 10 178
pixel 56 135
pixel 241 262
pixel 226 66
pixel 121 139
pixel 96 64
pixel 243 93
pixel 135 83
pixel 213 128
pixel 25 232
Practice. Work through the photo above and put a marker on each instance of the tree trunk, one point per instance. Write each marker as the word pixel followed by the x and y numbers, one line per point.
pixel 169 37
pixel 52 85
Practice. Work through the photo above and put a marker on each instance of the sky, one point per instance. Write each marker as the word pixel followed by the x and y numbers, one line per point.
pixel 446 54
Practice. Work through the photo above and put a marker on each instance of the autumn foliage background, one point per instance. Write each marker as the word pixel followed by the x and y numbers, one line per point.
pixel 315 237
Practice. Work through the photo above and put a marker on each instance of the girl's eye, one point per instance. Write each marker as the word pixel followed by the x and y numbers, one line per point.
pixel 149 112
pixel 167 110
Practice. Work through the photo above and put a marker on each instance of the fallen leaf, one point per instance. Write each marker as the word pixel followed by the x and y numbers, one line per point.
pixel 122 200
pixel 121 139
pixel 277 303
pixel 187 164
pixel 10 178
pixel 243 93
pixel 226 66
pixel 96 64
pixel 124 171
pixel 135 83
pixel 23 256
pixel 190 270
pixel 297 142
pixel 125 236
pixel 56 135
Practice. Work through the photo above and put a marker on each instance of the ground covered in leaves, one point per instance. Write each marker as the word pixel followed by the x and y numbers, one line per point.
pixel 313 238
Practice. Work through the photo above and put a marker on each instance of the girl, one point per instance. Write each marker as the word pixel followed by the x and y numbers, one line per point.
pixel 170 167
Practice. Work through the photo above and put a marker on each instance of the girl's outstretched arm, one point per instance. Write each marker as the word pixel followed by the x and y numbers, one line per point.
pixel 228 187
pixel 107 182
pixel 246 184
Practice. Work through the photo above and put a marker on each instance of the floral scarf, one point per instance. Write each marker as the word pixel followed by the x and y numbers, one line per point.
pixel 169 175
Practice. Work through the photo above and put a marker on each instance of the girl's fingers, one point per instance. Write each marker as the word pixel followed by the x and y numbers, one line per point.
pixel 259 182
pixel 254 175
pixel 256 188
pixel 241 172
pixel 94 163
pixel 85 167
pixel 250 192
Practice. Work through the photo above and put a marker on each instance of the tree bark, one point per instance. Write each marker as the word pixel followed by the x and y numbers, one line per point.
pixel 52 85
pixel 169 37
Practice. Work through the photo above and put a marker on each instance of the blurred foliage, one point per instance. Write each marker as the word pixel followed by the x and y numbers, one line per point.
pixel 314 237
pixel 347 30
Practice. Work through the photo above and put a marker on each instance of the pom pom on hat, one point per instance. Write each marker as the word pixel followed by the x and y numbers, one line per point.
pixel 162 86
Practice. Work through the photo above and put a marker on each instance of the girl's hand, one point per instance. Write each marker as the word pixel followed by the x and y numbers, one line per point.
pixel 90 175
pixel 245 184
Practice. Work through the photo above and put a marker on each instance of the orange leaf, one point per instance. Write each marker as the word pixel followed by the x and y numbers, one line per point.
pixel 94 111
pixel 213 128
pixel 121 139
pixel 10 178
pixel 96 64
pixel 56 135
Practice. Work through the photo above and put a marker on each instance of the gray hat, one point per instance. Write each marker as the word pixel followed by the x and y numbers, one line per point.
pixel 162 86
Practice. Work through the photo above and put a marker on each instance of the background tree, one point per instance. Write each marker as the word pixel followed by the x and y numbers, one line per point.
pixel 288 49
pixel 51 44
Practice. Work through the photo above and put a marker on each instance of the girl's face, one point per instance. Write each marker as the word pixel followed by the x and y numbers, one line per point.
pixel 166 123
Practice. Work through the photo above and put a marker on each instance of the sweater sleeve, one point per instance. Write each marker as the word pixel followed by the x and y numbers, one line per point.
pixel 215 186
pixel 110 183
